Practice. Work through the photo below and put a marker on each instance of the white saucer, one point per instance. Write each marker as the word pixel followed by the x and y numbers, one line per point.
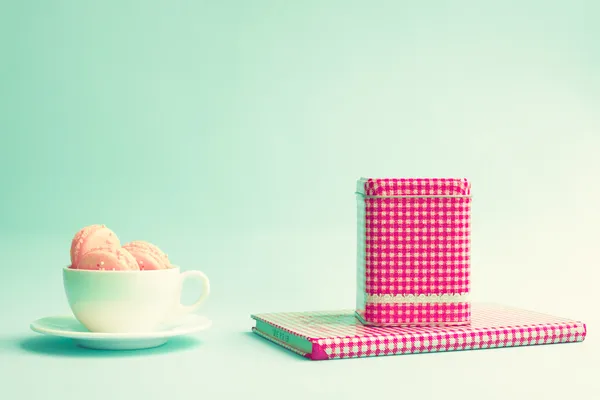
pixel 69 327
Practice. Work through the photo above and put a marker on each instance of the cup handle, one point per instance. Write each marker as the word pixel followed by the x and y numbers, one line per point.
pixel 183 309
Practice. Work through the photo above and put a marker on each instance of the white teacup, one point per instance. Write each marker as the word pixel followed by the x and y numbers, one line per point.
pixel 129 301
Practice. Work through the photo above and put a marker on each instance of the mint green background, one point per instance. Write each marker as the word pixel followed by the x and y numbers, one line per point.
pixel 231 134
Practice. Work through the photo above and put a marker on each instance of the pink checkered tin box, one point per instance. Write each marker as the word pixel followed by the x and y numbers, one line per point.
pixel 413 260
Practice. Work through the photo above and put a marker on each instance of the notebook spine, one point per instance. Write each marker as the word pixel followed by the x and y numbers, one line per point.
pixel 281 343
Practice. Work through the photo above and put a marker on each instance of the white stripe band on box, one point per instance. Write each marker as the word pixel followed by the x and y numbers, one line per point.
pixel 420 298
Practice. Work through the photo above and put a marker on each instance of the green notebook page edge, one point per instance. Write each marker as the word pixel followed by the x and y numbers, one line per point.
pixel 281 336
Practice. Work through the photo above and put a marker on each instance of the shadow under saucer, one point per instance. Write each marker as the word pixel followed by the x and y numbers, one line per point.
pixel 63 347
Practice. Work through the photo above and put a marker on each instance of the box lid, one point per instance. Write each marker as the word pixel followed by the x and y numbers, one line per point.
pixel 413 187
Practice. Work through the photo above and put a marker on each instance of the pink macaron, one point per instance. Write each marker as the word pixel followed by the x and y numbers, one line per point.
pixel 92 237
pixel 111 259
pixel 148 256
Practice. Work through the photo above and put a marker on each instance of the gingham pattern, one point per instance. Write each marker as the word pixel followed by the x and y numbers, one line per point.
pixel 415 246
pixel 340 335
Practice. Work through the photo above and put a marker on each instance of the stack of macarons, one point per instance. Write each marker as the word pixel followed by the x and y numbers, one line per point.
pixel 96 247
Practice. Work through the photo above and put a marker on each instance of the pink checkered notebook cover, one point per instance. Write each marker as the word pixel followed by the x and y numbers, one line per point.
pixel 326 335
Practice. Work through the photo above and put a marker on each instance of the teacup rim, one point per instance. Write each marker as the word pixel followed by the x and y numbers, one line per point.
pixel 95 271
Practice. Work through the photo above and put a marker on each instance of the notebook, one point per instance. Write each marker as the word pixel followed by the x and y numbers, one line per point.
pixel 326 335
